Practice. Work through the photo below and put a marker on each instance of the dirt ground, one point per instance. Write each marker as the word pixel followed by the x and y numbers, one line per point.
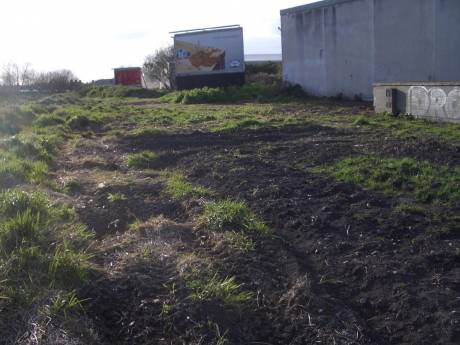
pixel 342 268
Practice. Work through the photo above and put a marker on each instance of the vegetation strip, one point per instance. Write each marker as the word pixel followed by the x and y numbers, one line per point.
pixel 404 176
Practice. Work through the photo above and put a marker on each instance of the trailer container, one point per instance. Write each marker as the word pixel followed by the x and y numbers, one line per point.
pixel 210 57
pixel 128 76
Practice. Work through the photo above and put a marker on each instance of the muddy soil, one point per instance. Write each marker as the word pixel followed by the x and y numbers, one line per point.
pixel 343 268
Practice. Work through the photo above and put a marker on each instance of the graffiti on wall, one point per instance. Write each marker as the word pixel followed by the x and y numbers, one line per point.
pixel 434 102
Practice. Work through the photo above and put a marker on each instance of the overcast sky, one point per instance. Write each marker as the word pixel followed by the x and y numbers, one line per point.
pixel 91 37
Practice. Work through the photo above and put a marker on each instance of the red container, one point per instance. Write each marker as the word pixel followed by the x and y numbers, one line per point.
pixel 131 76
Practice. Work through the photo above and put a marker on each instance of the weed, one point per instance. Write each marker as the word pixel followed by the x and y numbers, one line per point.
pixel 13 119
pixel 361 121
pixel 119 91
pixel 65 303
pixel 72 187
pixel 225 290
pixel 179 188
pixel 68 267
pixel 135 226
pixel 21 230
pixel 410 209
pixel 248 92
pixel 141 160
pixel 116 198
pixel 240 241
pixel 48 120
pixel 146 132
pixel 231 125
pixel 14 201
pixel 79 122
pixel 232 215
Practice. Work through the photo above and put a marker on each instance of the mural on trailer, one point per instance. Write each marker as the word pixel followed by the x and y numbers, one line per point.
pixel 435 102
pixel 194 57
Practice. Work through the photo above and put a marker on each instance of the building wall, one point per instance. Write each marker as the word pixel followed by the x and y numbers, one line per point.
pixel 342 47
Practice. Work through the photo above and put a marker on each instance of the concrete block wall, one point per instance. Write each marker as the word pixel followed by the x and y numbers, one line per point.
pixel 343 47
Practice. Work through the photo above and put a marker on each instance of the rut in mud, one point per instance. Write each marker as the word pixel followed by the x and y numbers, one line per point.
pixel 342 268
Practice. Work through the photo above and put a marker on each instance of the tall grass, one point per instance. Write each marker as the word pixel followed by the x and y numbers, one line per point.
pixel 248 92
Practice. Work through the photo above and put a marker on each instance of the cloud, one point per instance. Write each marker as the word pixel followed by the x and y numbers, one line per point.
pixel 130 35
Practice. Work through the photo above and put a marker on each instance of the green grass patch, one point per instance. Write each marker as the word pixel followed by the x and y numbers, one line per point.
pixel 225 290
pixel 179 188
pixel 119 92
pixel 232 125
pixel 141 160
pixel 240 241
pixel 248 92
pixel 114 198
pixel 405 176
pixel 228 215
pixel 146 132
pixel 362 121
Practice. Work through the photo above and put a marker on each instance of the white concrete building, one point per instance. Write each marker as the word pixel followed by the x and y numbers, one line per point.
pixel 343 47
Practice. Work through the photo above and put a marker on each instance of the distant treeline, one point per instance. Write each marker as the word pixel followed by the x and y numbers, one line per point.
pixel 14 77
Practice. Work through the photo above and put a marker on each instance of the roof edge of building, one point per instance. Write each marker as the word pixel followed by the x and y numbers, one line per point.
pixel 313 6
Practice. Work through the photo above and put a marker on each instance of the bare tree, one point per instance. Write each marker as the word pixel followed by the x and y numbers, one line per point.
pixel 159 67
pixel 10 75
pixel 27 75
pixel 14 76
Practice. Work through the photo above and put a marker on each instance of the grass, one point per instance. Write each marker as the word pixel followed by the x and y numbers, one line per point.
pixel 228 215
pixel 225 290
pixel 36 258
pixel 361 121
pixel 141 160
pixel 248 92
pixel 406 176
pixel 43 249
pixel 232 125
pixel 119 91
pixel 116 198
pixel 240 241
pixel 179 188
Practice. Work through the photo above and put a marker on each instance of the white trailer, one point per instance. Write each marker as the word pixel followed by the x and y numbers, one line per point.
pixel 210 57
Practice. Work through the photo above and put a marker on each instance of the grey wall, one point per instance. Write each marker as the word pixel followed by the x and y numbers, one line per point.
pixel 344 46
pixel 430 100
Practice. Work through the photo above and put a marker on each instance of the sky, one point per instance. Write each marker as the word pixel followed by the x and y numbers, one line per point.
pixel 91 37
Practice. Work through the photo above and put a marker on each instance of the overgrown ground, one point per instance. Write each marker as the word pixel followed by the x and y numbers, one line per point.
pixel 174 221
